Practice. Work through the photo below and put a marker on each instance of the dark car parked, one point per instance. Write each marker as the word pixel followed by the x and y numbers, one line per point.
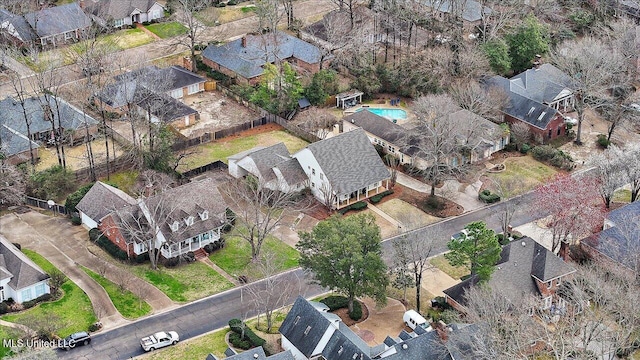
pixel 79 338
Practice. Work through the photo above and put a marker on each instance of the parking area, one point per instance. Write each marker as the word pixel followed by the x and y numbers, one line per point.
pixel 217 112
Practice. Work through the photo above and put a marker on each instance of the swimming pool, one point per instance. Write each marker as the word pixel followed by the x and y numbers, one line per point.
pixel 387 113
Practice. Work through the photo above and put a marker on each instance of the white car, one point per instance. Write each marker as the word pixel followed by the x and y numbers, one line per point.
pixel 159 340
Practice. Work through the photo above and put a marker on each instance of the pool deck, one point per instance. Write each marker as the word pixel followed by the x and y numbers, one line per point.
pixel 386 105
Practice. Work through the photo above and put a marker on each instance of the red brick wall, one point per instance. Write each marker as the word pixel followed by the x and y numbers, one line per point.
pixel 454 304
pixel 113 233
pixel 537 133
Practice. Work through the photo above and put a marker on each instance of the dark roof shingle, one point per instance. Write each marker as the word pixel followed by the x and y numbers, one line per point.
pixel 102 199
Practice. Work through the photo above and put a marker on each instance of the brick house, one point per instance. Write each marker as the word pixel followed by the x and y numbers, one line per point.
pixel 244 59
pixel 525 268
pixel 538 97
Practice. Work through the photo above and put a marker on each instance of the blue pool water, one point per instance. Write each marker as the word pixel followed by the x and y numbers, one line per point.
pixel 387 113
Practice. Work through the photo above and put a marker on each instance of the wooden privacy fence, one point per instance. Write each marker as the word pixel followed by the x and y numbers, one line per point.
pixel 44 204
pixel 118 164
pixel 204 168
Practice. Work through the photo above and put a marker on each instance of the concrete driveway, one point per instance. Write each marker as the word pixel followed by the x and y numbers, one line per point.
pixel 381 323
pixel 67 247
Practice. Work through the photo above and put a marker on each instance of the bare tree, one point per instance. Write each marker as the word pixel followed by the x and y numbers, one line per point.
pixel 507 189
pixel 22 96
pixel 272 292
pixel 186 11
pixel 416 253
pixel 259 208
pixel 520 133
pixel 593 67
pixel 609 172
pixel 12 184
pixel 504 14
pixel 486 103
pixel 630 167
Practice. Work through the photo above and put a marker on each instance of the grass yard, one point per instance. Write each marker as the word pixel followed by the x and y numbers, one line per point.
pixel 425 296
pixel 125 180
pixel 76 156
pixel 246 9
pixel 235 257
pixel 622 196
pixel 167 29
pixel 408 215
pixel 129 305
pixel 74 308
pixel 6 333
pixel 226 14
pixel 220 150
pixel 194 349
pixel 529 172
pixel 443 264
pixel 184 283
pixel 129 38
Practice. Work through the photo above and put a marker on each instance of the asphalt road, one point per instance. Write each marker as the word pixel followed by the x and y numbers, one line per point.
pixel 215 311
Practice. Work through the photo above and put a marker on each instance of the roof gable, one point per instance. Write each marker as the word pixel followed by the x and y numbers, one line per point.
pixel 349 161
pixel 102 199
pixel 304 326
pixel 58 19
pixel 24 271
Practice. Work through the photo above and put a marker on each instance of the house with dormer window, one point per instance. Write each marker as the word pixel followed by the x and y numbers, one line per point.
pixel 178 220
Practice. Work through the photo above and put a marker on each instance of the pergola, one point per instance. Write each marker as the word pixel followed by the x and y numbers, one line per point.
pixel 343 98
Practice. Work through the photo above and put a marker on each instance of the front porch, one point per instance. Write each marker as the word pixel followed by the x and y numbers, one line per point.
pixel 360 195
pixel 192 244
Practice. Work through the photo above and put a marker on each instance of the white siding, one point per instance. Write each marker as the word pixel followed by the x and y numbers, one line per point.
pixel 287 345
pixel 236 171
pixel 86 220
pixel 17 294
pixel 156 12
pixel 316 182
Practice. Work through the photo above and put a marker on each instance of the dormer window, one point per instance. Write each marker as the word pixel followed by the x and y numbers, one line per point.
pixel 175 226
pixel 188 221
pixel 204 215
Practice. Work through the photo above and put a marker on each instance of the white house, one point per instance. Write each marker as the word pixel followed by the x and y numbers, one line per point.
pixel 100 201
pixel 123 12
pixel 20 278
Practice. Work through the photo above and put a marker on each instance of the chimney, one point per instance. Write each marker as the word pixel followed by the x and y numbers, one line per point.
pixel 537 62
pixel 244 41
pixel 81 4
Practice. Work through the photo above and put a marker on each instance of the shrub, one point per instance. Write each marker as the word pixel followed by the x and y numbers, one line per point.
pixel 111 248
pixel 75 220
pixel 603 141
pixel 220 5
pixel 232 2
pixel 356 314
pixel 75 197
pixel 231 220
pixel 95 327
pixel 237 341
pixel 236 325
pixel 543 152
pixel 487 197
pixel 525 148
pixel 376 198
pixel 335 302
pixel 359 205
pixel 39 299
pixel 142 258
pixel 4 308
pixel 503 240
pixel 512 146
pixel 94 234
pixel 172 262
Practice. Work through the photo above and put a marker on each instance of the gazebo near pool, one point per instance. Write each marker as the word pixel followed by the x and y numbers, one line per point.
pixel 348 98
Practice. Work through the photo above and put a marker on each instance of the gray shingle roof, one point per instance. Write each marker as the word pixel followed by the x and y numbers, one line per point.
pixel 182 77
pixel 292 172
pixel 342 346
pixel 472 9
pixel 620 242
pixel 13 142
pixel 119 94
pixel 166 108
pixel 514 274
pixel 58 20
pixel 22 28
pixel 249 61
pixel 349 161
pixel 294 327
pixel 102 199
pixel 377 125
pixel 522 107
pixel 118 9
pixel 266 158
pixel 13 117
pixel 24 271
pixel 259 354
pixel 543 84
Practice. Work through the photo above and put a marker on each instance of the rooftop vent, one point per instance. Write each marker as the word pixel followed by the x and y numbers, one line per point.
pixel 524 244
pixel 405 347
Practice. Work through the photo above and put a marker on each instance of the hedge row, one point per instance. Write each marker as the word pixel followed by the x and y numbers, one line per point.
pixel 335 302
pixel 39 299
pixel 555 157
pixel 487 197
pixel 355 206
pixel 376 198
pixel 236 325
pixel 111 248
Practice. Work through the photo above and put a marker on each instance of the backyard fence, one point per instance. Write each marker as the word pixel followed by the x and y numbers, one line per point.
pixel 118 164
pixel 204 168
pixel 44 204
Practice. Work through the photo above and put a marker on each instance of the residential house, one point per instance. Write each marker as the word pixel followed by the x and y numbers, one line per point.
pixel 310 332
pixel 15 29
pixel 339 170
pixel 20 278
pixel 630 8
pixel 273 166
pixel 244 59
pixel 470 11
pixel 256 353
pixel 525 268
pixel 538 97
pixel 119 13
pixel 186 218
pixel 71 124
pixel 15 146
pixel 101 200
pixel 619 241
pixel 160 103
pixel 479 137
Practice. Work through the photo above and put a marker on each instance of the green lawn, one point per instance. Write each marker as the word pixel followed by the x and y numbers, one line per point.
pixel 125 180
pixel 74 308
pixel 235 257
pixel 529 173
pixel 184 283
pixel 220 150
pixel 6 333
pixel 246 9
pixel 195 349
pixel 442 263
pixel 129 305
pixel 622 195
pixel 168 29
pixel 129 38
